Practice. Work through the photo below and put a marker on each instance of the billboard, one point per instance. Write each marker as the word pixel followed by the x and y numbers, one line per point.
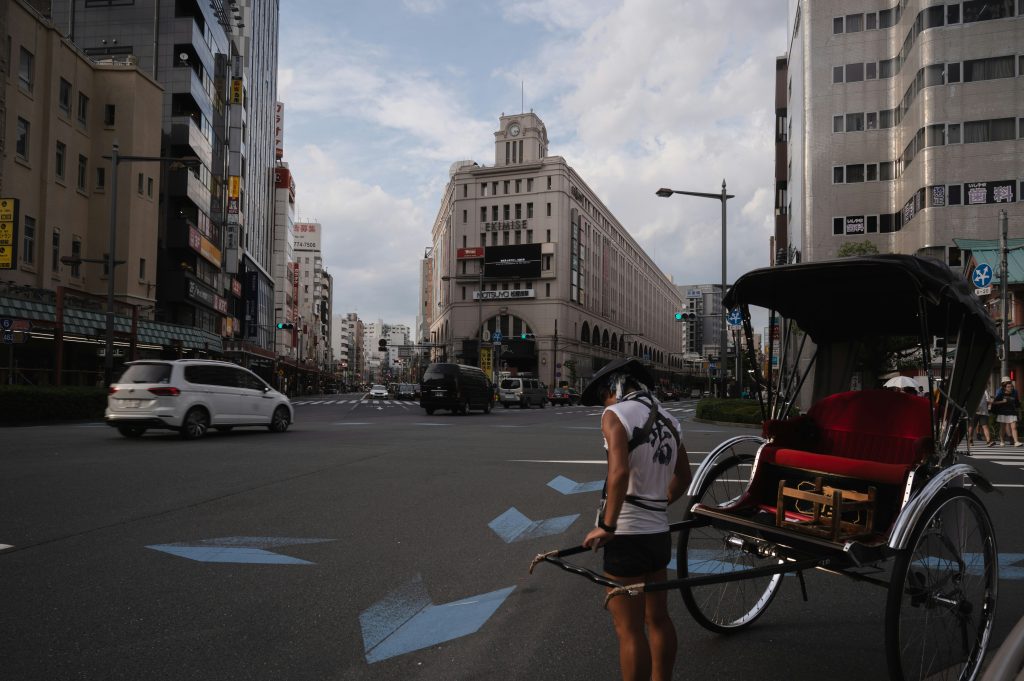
pixel 522 261
pixel 279 130
pixel 307 235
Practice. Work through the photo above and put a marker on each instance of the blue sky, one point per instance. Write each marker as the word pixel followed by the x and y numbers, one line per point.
pixel 382 97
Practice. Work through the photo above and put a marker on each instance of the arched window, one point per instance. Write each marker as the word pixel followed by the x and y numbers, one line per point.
pixel 635 349
pixel 604 339
pixel 622 344
pixel 596 336
pixel 585 333
pixel 615 341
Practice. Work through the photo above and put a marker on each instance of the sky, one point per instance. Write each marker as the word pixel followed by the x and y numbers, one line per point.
pixel 381 97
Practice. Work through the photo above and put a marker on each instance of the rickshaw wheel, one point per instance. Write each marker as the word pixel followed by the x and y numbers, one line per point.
pixel 729 606
pixel 942 595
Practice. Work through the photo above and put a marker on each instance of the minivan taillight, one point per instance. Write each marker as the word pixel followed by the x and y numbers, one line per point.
pixel 169 391
pixel 111 390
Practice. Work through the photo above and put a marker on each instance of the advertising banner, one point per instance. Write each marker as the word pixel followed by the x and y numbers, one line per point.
pixel 279 130
pixel 522 261
pixel 470 253
pixel 307 235
pixel 8 234
pixel 237 91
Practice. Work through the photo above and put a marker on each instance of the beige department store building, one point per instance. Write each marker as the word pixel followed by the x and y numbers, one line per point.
pixel 525 247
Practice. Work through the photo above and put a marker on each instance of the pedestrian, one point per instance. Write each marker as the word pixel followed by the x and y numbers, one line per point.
pixel 647 470
pixel 1006 406
pixel 980 418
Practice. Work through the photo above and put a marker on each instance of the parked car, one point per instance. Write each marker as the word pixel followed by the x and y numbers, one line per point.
pixel 456 387
pixel 378 392
pixel 564 396
pixel 522 391
pixel 405 391
pixel 191 396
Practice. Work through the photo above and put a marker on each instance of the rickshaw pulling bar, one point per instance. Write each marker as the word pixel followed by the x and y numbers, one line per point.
pixel 617 589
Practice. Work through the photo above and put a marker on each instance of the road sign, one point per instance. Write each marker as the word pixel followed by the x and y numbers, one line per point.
pixel 6 324
pixel 983 291
pixel 496 336
pixel 982 275
pixel 735 318
pixel 486 335
pixel 14 337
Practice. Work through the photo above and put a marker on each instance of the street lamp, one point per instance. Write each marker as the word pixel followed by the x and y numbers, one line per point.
pixel 115 159
pixel 723 197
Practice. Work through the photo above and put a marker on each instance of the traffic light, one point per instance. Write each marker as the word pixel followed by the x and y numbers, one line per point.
pixel 382 344
pixel 282 326
pixel 526 336
pixel 685 316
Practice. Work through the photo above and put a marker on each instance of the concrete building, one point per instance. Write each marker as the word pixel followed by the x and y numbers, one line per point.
pixel 314 299
pixel 702 333
pixel 383 366
pixel 218 63
pixel 63 111
pixel 285 267
pixel 348 347
pixel 526 249
pixel 898 124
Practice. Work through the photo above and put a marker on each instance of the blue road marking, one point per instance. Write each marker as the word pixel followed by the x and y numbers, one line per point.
pixel 406 620
pixel 1008 568
pixel 513 526
pixel 238 550
pixel 567 486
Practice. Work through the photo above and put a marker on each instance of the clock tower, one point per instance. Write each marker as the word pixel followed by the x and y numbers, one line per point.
pixel 520 138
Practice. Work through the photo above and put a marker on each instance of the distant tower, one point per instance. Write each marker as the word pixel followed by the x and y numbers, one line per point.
pixel 522 138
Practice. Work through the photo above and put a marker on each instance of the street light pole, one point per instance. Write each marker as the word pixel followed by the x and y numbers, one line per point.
pixel 108 357
pixel 115 159
pixel 664 192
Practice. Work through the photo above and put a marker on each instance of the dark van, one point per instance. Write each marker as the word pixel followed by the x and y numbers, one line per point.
pixel 455 387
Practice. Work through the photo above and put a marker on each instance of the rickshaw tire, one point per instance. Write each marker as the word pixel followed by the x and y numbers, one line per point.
pixel 763 598
pixel 895 601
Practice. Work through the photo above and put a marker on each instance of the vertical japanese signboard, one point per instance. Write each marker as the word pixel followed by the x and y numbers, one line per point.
pixel 8 234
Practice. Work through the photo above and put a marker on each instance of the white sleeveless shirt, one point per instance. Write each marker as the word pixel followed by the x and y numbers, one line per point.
pixel 651 466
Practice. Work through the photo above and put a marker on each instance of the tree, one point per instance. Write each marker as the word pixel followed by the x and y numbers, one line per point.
pixel 853 248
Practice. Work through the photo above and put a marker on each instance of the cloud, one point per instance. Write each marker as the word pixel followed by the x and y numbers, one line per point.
pixel 424 6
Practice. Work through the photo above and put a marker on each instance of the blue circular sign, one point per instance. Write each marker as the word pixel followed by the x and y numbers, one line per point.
pixel 496 336
pixel 982 276
pixel 735 318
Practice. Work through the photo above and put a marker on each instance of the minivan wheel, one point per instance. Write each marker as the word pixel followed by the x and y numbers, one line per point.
pixel 131 432
pixel 487 407
pixel 429 410
pixel 195 424
pixel 504 405
pixel 523 404
pixel 464 408
pixel 279 421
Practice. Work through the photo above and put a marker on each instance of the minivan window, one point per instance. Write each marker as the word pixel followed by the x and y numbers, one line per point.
pixel 146 373
pixel 510 383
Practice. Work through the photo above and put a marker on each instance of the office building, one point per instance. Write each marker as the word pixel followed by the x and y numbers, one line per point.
pixel 898 123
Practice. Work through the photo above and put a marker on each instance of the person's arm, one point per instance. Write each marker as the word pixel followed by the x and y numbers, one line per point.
pixel 681 476
pixel 618 479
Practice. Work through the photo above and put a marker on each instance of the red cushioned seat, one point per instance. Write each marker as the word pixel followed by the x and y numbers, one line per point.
pixel 876 435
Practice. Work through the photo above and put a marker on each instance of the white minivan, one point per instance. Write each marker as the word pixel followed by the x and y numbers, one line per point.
pixel 522 391
pixel 191 396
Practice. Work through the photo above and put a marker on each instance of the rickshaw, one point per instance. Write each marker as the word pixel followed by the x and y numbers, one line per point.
pixel 866 484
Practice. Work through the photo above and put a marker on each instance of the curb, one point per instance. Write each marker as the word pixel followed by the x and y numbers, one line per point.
pixel 752 426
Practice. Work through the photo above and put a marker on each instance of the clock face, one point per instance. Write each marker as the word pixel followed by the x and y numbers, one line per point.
pixel 513 129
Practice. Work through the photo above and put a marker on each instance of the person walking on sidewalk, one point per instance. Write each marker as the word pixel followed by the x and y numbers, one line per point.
pixel 1006 406
pixel 980 419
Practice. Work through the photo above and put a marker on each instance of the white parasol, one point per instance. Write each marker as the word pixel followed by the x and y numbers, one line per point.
pixel 901 382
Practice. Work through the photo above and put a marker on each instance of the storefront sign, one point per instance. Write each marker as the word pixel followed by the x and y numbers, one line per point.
pixel 237 91
pixel 200 293
pixel 220 304
pixel 236 287
pixel 307 235
pixel 8 234
pixel 470 253
pixel 504 225
pixel 505 295
pixel 203 246
pixel 855 224
pixel 279 130
pixel 989 192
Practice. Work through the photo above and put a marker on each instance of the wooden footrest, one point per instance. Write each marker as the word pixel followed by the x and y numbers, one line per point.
pixel 824 507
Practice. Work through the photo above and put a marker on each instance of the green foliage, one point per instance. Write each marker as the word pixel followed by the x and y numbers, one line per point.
pixel 854 248
pixel 27 404
pixel 730 410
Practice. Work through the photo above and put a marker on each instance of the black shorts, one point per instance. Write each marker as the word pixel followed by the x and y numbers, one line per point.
pixel 635 555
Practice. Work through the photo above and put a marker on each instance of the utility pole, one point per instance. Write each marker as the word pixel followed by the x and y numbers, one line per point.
pixel 1004 277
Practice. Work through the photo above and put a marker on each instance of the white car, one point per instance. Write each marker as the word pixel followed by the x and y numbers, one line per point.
pixel 378 392
pixel 191 396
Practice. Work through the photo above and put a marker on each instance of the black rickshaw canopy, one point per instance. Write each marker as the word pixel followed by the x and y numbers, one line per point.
pixel 873 295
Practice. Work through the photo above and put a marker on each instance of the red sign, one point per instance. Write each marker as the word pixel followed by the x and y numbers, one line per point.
pixel 195 241
pixel 236 287
pixel 468 253
pixel 220 305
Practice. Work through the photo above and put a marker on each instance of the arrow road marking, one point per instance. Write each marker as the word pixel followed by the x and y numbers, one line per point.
pixel 405 620
pixel 513 526
pixel 238 550
pixel 567 486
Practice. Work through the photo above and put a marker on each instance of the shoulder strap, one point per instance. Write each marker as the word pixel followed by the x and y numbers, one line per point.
pixel 640 435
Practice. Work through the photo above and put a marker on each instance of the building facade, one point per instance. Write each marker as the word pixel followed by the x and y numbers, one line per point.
pixel 531 274
pixel 900 124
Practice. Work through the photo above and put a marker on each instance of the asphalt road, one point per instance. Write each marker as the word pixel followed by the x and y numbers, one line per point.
pixel 371 542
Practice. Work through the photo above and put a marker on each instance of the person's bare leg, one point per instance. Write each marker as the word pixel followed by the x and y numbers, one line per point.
pixel 661 632
pixel 628 617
